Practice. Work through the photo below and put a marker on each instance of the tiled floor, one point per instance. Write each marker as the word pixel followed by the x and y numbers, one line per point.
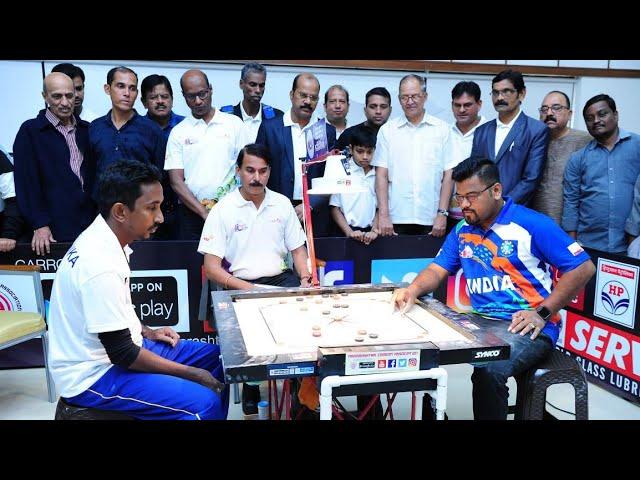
pixel 23 396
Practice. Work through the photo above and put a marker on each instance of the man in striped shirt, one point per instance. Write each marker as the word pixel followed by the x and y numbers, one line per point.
pixel 50 168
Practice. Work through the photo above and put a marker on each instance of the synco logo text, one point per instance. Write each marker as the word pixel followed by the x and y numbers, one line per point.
pixel 487 354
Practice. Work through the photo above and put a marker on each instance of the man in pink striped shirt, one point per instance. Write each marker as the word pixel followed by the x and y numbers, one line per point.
pixel 51 168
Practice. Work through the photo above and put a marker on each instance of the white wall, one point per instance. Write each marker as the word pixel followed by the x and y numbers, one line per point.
pixel 20 97
pixel 625 91
pixel 21 84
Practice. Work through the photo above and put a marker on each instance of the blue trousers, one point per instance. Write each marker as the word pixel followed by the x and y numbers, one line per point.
pixel 154 396
pixel 489 379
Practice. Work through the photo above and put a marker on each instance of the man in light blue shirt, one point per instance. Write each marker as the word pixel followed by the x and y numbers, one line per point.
pixel 599 180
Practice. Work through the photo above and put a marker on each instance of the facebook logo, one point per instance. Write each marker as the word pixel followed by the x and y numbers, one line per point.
pixel 391 363
pixel 338 273
pixel 397 270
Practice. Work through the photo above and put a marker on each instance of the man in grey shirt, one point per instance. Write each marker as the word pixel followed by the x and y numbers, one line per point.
pixel 556 112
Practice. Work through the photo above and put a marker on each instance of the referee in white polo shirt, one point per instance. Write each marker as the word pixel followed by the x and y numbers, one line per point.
pixel 254 228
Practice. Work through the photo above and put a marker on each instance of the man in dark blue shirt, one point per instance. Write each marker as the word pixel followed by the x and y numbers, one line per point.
pixel 122 133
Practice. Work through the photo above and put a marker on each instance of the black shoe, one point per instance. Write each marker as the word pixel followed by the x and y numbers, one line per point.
pixel 250 398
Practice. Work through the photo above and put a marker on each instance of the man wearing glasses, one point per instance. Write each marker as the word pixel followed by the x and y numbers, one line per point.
pixel 285 138
pixel 556 112
pixel 516 142
pixel 503 249
pixel 413 174
pixel 201 153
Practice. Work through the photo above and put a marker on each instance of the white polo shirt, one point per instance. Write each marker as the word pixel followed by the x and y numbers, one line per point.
pixel 415 157
pixel 254 241
pixel 299 150
pixel 206 151
pixel 90 295
pixel 359 209
pixel 251 124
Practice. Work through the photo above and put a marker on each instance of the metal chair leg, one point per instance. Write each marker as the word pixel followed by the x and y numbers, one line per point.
pixel 51 388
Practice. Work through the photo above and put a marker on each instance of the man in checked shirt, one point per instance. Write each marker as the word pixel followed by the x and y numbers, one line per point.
pixel 50 168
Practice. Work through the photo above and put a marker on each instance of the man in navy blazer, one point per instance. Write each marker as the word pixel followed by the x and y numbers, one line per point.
pixel 285 138
pixel 52 169
pixel 516 142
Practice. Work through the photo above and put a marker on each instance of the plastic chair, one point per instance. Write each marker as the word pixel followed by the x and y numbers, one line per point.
pixel 533 384
pixel 20 287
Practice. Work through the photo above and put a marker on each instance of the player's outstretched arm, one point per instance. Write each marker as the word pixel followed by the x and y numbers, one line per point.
pixel 426 282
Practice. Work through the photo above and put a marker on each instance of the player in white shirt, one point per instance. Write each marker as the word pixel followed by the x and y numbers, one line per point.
pixel 355 213
pixel 254 228
pixel 100 355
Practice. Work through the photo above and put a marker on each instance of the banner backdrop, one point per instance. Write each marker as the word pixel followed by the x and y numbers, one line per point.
pixel 599 327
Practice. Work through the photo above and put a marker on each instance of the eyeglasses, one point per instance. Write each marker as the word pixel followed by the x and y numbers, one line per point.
pixel 202 95
pixel 306 96
pixel 471 196
pixel 505 92
pixel 554 108
pixel 415 97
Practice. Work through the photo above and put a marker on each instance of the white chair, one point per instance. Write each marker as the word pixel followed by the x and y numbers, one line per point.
pixel 22 311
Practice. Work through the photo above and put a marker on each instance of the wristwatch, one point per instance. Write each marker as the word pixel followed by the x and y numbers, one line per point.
pixel 443 212
pixel 544 313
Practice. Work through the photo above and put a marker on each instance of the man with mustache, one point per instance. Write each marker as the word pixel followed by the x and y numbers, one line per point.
pixel 77 75
pixel 284 137
pixel 250 215
pixel 101 356
pixel 516 142
pixel 122 132
pixel 377 110
pixel 503 249
pixel 201 152
pixel 52 172
pixel 157 98
pixel 465 105
pixel 599 179
pixel 250 110
pixel 556 113
pixel 253 229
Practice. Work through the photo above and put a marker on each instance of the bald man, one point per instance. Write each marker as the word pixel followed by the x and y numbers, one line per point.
pixel 201 155
pixel 51 168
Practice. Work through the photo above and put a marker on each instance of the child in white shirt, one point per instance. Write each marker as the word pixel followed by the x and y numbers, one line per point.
pixel 356 213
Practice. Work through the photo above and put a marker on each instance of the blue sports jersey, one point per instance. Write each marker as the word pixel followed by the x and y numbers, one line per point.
pixel 507 266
